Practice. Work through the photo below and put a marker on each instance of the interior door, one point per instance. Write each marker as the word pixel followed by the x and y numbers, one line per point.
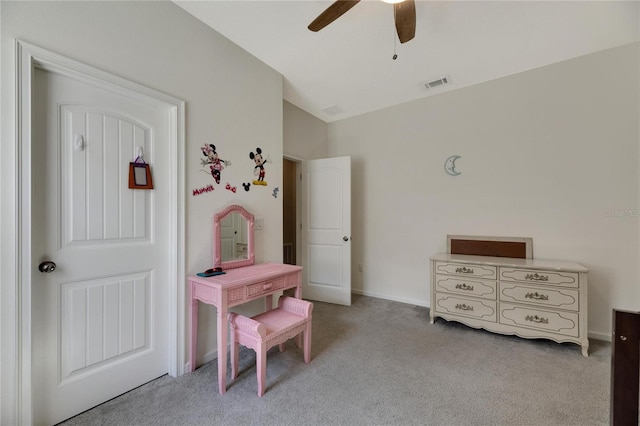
pixel 99 317
pixel 328 229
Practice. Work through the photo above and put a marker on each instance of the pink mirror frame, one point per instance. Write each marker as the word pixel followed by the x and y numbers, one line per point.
pixel 217 261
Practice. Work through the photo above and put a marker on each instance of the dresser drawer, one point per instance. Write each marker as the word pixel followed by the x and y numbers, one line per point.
pixel 255 290
pixel 472 308
pixel 466 286
pixel 564 279
pixel 562 298
pixel 467 270
pixel 564 323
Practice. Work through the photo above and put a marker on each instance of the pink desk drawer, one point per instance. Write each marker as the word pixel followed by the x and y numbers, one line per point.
pixel 255 290
pixel 292 280
pixel 205 293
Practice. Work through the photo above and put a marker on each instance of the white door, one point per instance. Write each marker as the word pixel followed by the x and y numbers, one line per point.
pixel 328 230
pixel 100 318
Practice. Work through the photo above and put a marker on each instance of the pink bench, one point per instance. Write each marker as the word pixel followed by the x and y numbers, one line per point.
pixel 274 327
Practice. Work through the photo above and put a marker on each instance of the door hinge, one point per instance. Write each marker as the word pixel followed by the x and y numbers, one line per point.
pixel 300 176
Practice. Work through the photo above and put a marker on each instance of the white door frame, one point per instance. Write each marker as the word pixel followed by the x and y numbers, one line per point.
pixel 28 57
pixel 299 240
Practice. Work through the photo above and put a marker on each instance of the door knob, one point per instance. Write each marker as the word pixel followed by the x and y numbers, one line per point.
pixel 47 267
pixel 345 238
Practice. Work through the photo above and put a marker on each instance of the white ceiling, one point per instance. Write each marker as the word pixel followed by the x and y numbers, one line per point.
pixel 349 63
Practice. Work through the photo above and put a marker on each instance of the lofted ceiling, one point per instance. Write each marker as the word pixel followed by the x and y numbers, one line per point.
pixel 347 68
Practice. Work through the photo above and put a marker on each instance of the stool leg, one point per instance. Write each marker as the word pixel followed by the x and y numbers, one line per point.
pixel 261 367
pixel 234 356
pixel 307 342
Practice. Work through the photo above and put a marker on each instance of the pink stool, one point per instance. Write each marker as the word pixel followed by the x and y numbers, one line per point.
pixel 274 327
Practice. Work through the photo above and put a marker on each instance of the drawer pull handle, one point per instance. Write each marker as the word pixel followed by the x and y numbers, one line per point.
pixel 536 277
pixel 266 286
pixel 464 270
pixel 464 307
pixel 536 296
pixel 536 319
pixel 464 286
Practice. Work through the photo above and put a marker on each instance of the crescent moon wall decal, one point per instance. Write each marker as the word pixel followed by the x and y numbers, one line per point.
pixel 450 165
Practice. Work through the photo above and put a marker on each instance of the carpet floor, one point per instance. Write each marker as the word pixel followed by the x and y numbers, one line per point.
pixel 380 362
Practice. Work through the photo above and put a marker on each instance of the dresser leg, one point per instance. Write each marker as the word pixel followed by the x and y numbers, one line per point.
pixel 585 348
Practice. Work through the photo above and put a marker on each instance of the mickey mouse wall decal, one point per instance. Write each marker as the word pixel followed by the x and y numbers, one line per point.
pixel 258 170
pixel 450 165
pixel 246 186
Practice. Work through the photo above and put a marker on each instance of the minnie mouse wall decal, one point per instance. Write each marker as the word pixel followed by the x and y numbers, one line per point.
pixel 213 161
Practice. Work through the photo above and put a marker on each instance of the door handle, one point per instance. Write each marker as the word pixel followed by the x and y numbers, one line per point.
pixel 47 267
pixel 345 238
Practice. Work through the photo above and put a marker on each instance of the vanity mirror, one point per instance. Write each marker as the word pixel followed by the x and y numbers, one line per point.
pixel 233 238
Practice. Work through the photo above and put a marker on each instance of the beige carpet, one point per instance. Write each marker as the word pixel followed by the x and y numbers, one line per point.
pixel 381 363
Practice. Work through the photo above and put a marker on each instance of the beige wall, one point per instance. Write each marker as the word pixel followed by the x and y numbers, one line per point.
pixel 232 100
pixel 550 153
pixel 305 136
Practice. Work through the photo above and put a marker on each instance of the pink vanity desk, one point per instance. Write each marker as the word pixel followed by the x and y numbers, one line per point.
pixel 235 287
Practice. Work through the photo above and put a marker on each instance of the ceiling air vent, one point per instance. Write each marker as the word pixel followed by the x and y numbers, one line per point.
pixel 332 110
pixel 442 81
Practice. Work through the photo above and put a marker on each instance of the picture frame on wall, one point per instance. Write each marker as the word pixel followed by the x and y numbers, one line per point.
pixel 140 176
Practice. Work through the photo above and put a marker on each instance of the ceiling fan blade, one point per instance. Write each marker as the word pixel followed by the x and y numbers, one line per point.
pixel 405 15
pixel 332 13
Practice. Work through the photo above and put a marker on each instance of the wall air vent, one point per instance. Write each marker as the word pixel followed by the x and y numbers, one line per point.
pixel 332 110
pixel 442 81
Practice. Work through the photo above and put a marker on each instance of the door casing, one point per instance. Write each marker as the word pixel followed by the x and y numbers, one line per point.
pixel 298 187
pixel 27 58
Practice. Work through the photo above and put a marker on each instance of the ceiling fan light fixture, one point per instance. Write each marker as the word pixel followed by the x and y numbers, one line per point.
pixel 404 15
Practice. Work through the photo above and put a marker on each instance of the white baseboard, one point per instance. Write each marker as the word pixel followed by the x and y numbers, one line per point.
pixel 387 297
pixel 209 356
pixel 606 337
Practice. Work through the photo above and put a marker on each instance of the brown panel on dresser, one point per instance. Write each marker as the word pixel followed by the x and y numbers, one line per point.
pixel 625 368
pixel 489 248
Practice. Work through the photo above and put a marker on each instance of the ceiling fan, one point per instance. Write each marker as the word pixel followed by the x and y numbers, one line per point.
pixel 404 12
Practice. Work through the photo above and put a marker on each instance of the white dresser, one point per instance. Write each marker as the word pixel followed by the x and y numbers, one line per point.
pixel 527 297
